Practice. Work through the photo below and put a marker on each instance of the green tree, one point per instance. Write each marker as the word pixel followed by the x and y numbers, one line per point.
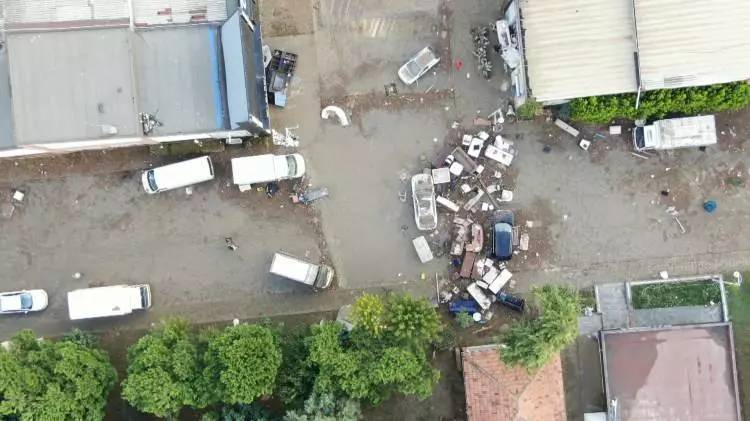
pixel 359 366
pixel 326 408
pixel 164 371
pixel 412 320
pixel 369 313
pixel 662 103
pixel 532 343
pixel 464 319
pixel 296 376
pixel 46 380
pixel 242 363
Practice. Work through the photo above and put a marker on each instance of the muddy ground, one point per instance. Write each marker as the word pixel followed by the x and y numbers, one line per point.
pixel 598 216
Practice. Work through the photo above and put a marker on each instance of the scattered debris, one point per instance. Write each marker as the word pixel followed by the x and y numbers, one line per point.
pixel 311 195
pixel 338 112
pixel 391 89
pixel 447 203
pixel 148 123
pixel 639 155
pixel 289 139
pixel 567 128
pixel 615 130
pixel 7 210
pixel 230 244
pixel 423 249
pixel 279 74
pixel 441 175
pixel 18 196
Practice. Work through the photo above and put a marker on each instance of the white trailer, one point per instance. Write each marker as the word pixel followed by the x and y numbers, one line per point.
pixel 117 300
pixel 676 133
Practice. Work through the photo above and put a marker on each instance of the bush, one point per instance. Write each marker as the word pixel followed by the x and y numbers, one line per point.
pixel 241 363
pixel 464 319
pixel 529 109
pixel 532 343
pixel 662 103
pixel 164 371
pixel 675 294
pixel 372 364
pixel 47 380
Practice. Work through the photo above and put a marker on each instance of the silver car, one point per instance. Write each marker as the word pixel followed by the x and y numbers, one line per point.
pixel 425 60
pixel 23 301
pixel 423 193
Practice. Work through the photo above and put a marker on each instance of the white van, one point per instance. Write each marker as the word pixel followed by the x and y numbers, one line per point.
pixel 316 276
pixel 266 168
pixel 117 300
pixel 675 133
pixel 177 175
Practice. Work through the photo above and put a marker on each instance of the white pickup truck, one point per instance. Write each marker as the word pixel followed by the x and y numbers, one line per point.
pixel 676 133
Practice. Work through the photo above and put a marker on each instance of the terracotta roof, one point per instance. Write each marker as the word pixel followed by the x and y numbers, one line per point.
pixel 497 392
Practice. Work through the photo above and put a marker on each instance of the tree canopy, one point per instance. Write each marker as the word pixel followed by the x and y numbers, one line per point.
pixel 242 363
pixel 54 380
pixel 326 408
pixel 385 353
pixel 532 343
pixel 164 371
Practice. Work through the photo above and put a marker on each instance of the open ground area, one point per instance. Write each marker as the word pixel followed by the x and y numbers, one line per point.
pixel 593 216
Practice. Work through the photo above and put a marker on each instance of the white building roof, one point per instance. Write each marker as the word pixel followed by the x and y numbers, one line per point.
pixel 693 43
pixel 577 48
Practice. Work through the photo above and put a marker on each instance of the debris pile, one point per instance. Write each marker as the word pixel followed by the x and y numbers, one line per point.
pixel 473 185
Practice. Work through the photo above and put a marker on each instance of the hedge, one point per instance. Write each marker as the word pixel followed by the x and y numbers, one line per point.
pixel 662 103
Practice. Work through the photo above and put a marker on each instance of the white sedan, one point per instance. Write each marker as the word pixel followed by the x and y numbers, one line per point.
pixel 423 194
pixel 425 60
pixel 23 301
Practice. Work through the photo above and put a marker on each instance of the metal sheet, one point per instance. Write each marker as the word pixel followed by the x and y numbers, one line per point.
pixel 691 43
pixel 71 85
pixel 179 78
pixel 577 48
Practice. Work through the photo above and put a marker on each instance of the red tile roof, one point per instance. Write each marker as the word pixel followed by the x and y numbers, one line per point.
pixel 497 392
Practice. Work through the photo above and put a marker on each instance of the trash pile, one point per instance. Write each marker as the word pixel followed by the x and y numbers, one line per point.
pixel 470 181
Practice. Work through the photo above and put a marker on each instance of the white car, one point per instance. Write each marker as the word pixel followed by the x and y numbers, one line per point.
pixel 425 60
pixel 23 301
pixel 423 193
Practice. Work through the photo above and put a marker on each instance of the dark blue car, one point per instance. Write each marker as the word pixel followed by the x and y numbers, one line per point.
pixel 501 235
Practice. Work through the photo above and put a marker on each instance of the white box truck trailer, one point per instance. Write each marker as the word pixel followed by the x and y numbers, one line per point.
pixel 676 133
pixel 316 276
pixel 117 300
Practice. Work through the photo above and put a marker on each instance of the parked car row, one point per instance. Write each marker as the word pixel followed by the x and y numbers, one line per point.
pixel 120 300
pixel 245 171
pixel 85 303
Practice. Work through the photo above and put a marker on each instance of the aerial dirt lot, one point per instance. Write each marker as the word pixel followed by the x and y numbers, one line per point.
pixel 596 216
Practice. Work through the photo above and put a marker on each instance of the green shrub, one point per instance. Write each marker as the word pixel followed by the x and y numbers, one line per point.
pixel 464 319
pixel 662 103
pixel 529 109
pixel 675 294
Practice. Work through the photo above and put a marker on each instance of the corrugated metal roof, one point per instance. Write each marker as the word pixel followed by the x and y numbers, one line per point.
pixel 64 14
pixel 162 12
pixel 690 43
pixel 577 48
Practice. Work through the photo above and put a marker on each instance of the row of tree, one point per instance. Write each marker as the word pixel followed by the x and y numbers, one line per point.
pixel 313 370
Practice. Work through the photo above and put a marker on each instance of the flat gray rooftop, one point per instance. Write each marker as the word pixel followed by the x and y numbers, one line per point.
pixel 76 85
pixel 71 85
pixel 682 373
